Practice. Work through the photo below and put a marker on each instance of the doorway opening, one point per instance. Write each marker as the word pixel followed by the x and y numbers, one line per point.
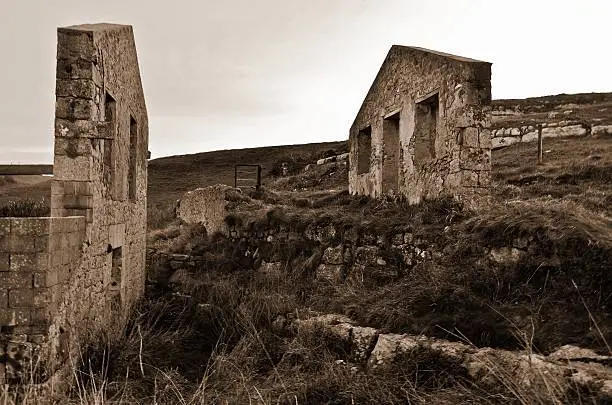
pixel 391 153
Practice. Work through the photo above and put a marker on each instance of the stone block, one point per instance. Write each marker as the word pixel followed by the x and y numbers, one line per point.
pixel 367 255
pixel 76 45
pixel 28 298
pixel 333 255
pixel 484 139
pixel 46 279
pixel 13 279
pixel 57 188
pixel 18 244
pixel 76 169
pixel 3 298
pixel 601 130
pixel 56 257
pixel 470 137
pixel 502 141
pixel 29 262
pixel 484 178
pixel 4 261
pixel 14 317
pixel 75 108
pixel 75 88
pixel 80 128
pixel 472 116
pixel 74 69
pixel 530 136
pixel 469 178
pixel 29 226
pixel 453 181
pixel 83 188
pixel 475 159
pixel 567 130
pixel 89 213
pixel 72 147
pixel 41 243
pixel 5 226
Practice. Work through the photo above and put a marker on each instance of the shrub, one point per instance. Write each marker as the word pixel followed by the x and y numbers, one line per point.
pixel 25 208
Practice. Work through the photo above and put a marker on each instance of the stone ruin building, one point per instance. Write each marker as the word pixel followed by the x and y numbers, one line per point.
pixel 67 277
pixel 423 128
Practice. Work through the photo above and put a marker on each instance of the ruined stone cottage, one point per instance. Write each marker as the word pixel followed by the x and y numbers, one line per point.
pixel 67 277
pixel 423 128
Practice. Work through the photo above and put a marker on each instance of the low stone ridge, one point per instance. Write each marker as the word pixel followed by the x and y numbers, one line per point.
pixel 575 366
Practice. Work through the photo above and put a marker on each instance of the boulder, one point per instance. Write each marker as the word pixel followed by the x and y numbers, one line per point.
pixel 206 206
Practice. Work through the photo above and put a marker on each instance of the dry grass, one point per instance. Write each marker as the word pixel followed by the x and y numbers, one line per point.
pixel 228 344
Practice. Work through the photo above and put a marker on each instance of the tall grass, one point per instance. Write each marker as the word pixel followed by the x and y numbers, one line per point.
pixel 25 208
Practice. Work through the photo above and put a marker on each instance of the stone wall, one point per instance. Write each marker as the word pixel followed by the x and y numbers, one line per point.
pixel 335 254
pixel 506 135
pixel 562 115
pixel 37 258
pixel 100 176
pixel 423 128
pixel 206 206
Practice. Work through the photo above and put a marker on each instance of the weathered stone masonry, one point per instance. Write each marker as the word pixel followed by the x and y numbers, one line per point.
pixel 65 278
pixel 423 128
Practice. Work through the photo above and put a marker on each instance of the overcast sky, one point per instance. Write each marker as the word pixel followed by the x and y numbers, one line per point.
pixel 242 73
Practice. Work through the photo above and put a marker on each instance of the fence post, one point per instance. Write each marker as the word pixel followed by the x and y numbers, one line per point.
pixel 540 151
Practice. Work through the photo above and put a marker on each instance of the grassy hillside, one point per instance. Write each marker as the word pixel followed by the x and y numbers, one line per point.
pixel 170 177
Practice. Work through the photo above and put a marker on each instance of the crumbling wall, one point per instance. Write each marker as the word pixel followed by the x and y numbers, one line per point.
pixel 441 143
pixel 96 236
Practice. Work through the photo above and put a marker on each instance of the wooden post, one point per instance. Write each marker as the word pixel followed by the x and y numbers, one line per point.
pixel 540 151
pixel 235 176
pixel 258 186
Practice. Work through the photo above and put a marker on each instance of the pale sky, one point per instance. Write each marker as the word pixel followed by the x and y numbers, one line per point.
pixel 242 73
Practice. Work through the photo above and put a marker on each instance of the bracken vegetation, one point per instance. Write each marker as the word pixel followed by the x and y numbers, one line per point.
pixel 25 208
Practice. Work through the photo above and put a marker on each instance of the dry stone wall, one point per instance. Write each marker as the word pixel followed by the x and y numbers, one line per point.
pixel 511 134
pixel 562 115
pixel 423 128
pixel 89 263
